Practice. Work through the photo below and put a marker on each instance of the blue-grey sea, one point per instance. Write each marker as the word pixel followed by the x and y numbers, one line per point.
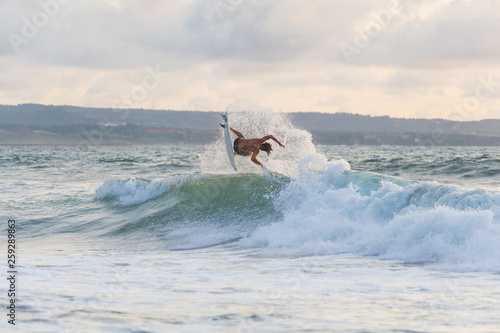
pixel 328 239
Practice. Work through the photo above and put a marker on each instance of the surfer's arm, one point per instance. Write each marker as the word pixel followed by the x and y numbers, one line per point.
pixel 267 137
pixel 238 134
pixel 254 158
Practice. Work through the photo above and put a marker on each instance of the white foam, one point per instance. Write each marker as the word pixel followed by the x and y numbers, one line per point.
pixel 132 192
pixel 338 211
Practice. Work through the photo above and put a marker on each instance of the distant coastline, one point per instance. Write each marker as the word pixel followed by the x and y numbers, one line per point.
pixel 35 124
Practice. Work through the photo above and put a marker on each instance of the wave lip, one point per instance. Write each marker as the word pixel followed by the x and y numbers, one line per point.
pixel 132 191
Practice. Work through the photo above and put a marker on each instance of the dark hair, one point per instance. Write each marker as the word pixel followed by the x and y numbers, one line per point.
pixel 266 147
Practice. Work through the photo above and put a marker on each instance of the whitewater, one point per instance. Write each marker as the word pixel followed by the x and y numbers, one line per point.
pixel 328 239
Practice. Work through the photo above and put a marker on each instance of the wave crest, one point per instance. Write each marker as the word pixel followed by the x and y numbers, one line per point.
pixel 132 191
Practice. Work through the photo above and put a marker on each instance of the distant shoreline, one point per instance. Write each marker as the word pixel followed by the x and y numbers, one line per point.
pixel 203 144
pixel 49 125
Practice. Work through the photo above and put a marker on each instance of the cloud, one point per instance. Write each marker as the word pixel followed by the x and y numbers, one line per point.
pixel 429 35
pixel 283 54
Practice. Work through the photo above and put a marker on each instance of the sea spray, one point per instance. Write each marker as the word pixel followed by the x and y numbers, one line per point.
pixel 257 123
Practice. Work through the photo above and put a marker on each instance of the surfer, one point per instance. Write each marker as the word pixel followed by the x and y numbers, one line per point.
pixel 247 147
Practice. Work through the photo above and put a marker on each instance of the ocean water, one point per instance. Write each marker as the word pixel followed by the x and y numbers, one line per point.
pixel 329 239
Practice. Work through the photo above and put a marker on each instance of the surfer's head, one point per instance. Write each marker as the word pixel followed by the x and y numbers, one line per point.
pixel 266 147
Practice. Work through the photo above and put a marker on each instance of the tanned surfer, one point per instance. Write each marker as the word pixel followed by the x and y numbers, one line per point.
pixel 247 147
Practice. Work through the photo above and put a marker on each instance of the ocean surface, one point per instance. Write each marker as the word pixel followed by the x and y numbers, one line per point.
pixel 328 239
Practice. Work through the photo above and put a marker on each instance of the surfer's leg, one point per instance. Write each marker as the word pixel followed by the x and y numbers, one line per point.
pixel 238 134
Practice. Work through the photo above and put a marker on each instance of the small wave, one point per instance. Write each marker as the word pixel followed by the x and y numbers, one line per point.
pixel 124 160
pixel 192 211
pixel 132 191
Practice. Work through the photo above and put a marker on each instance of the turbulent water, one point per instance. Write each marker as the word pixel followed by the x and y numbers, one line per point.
pixel 330 238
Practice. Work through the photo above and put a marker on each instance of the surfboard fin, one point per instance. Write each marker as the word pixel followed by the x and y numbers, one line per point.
pixel 222 125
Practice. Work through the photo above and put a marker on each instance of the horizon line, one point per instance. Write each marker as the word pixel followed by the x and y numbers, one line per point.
pixel 275 110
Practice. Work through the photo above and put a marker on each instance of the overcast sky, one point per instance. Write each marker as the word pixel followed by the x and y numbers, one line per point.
pixel 406 58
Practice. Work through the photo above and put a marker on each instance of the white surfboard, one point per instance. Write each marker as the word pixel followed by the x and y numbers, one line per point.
pixel 227 138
